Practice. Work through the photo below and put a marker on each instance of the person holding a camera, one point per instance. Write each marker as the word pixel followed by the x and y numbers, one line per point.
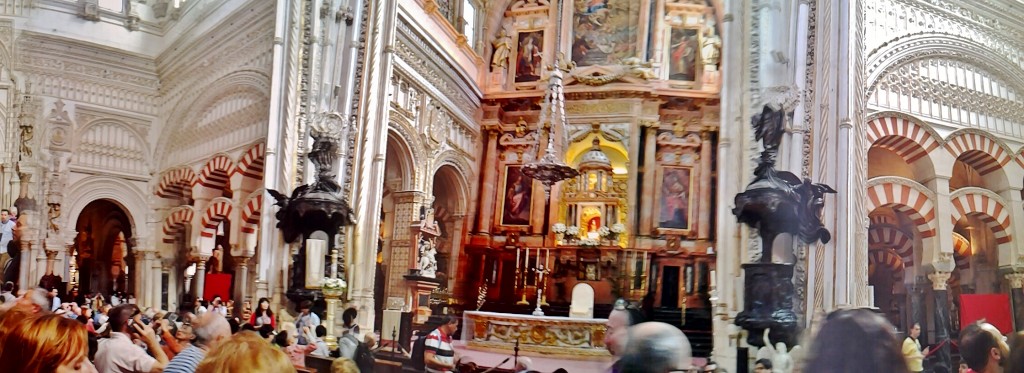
pixel 117 353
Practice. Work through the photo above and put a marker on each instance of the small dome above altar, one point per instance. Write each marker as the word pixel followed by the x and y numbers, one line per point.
pixel 595 159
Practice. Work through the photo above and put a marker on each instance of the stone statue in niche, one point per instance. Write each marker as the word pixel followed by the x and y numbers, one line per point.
pixel 26 138
pixel 54 214
pixel 711 46
pixel 502 51
pixel 427 264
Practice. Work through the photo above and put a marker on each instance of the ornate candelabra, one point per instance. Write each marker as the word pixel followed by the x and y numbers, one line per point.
pixel 549 169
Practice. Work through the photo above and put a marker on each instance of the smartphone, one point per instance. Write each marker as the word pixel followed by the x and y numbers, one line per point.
pixel 134 329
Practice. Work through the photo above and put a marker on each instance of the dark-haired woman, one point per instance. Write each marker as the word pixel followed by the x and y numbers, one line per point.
pixel 263 315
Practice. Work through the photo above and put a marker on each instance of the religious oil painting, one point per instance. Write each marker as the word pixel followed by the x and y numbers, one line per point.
pixel 684 47
pixel 605 32
pixel 518 192
pixel 675 195
pixel 529 56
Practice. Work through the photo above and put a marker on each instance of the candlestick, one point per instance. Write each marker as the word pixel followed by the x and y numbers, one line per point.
pixel 518 249
pixel 712 278
pixel 547 258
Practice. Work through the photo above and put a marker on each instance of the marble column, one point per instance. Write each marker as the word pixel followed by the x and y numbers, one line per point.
pixel 158 283
pixel 155 280
pixel 941 295
pixel 650 165
pixel 241 280
pixel 916 300
pixel 166 267
pixel 368 168
pixel 201 276
pixel 489 186
pixel 1016 280
pixel 704 222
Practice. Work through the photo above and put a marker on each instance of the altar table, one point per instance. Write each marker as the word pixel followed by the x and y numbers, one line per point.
pixel 563 337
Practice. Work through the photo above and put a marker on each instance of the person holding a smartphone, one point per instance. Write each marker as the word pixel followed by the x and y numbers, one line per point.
pixel 118 353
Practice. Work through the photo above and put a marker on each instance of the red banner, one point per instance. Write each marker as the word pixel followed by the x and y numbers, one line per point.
pixel 993 308
pixel 217 284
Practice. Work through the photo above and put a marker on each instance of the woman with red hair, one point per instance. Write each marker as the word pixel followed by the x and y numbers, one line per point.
pixel 44 343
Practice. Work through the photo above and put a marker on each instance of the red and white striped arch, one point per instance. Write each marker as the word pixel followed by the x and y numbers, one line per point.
pixel 881 219
pixel 216 172
pixel 907 200
pixel 886 259
pixel 995 215
pixel 979 151
pixel 902 136
pixel 175 223
pixel 176 183
pixel 218 210
pixel 885 237
pixel 1020 157
pixel 961 251
pixel 251 163
pixel 251 213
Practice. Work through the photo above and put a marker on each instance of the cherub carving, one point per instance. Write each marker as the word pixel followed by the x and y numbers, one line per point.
pixel 782 362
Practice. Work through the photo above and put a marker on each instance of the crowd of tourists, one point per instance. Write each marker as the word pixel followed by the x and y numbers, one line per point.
pixel 846 341
pixel 41 333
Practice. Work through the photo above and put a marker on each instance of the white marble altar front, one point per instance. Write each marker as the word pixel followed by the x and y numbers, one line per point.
pixel 562 337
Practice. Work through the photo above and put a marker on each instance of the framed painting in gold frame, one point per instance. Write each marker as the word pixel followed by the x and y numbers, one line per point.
pixel 517 197
pixel 682 54
pixel 674 199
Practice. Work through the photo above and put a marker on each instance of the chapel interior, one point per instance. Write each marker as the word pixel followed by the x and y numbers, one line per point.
pixel 521 164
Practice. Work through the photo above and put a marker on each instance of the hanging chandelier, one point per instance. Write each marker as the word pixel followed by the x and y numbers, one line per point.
pixel 550 169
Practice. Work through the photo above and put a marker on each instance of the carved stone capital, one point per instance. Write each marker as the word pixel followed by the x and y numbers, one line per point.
pixel 1016 280
pixel 939 280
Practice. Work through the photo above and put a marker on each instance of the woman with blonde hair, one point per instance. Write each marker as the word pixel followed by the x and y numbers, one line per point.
pixel 44 343
pixel 344 365
pixel 245 352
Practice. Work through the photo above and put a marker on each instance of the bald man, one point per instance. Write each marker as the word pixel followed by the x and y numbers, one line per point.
pixel 655 347
pixel 210 329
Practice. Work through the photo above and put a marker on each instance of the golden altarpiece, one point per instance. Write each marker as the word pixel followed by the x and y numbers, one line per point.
pixel 641 104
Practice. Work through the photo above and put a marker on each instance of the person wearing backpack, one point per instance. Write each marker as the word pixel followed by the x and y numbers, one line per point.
pixel 349 340
pixel 364 354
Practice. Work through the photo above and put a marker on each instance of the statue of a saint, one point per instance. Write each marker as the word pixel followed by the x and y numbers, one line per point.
pixel 502 51
pixel 427 263
pixel 710 50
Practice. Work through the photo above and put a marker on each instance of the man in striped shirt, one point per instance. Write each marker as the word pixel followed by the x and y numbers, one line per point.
pixel 438 354
pixel 210 329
